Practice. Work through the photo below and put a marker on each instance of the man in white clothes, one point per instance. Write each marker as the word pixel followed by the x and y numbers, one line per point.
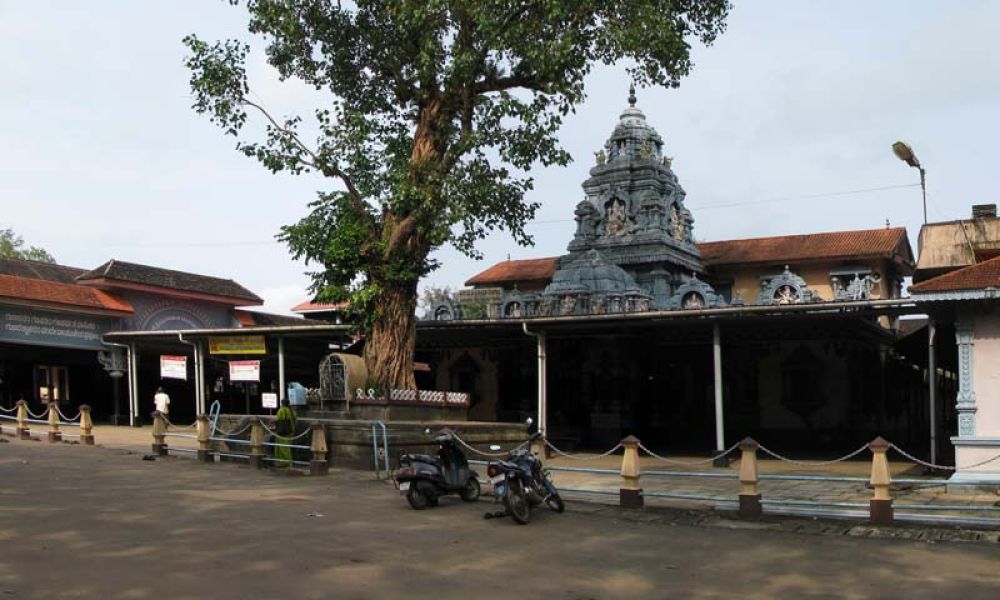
pixel 162 401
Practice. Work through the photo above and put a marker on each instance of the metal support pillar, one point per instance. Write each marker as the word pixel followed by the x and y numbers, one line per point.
pixel 542 384
pixel 133 384
pixel 720 441
pixel 281 368
pixel 932 385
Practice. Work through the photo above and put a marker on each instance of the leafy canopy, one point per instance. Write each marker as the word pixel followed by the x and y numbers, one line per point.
pixel 436 111
pixel 12 246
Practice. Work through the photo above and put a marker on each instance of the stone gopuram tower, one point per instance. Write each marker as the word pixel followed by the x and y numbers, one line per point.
pixel 633 230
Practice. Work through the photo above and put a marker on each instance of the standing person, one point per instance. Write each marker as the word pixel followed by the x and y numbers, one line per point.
pixel 162 401
pixel 284 430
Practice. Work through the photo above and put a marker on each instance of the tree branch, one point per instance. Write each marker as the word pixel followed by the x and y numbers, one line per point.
pixel 357 200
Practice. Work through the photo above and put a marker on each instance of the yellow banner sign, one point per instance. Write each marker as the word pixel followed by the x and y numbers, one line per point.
pixel 244 344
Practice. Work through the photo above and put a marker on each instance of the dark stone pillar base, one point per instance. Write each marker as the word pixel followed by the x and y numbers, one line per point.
pixel 750 505
pixel 205 456
pixel 630 498
pixel 722 462
pixel 55 436
pixel 160 449
pixel 23 434
pixel 87 440
pixel 257 461
pixel 880 512
pixel 318 467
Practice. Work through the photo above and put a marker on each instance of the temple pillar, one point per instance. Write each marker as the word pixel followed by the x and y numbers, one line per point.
pixel 720 433
pixel 977 445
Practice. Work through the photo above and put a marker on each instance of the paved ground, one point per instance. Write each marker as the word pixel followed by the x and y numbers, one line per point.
pixel 79 522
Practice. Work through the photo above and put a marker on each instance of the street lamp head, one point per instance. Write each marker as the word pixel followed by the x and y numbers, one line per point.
pixel 903 151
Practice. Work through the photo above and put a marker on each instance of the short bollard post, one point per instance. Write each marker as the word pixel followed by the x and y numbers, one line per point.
pixel 204 443
pixel 23 432
pixel 749 494
pixel 880 506
pixel 257 445
pixel 54 434
pixel 630 494
pixel 318 465
pixel 538 446
pixel 159 434
pixel 86 426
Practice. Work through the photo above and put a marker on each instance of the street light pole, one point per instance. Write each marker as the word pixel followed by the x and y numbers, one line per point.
pixel 904 153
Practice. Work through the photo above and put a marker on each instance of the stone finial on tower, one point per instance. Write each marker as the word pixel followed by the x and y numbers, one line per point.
pixel 631 94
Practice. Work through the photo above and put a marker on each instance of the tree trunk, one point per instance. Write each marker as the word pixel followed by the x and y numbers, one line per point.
pixel 389 347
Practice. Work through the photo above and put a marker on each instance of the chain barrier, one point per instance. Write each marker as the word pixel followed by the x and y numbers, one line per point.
pixel 810 463
pixel 266 428
pixel 8 410
pixel 170 424
pixel 924 463
pixel 480 452
pixel 579 457
pixel 43 414
pixel 233 433
pixel 65 418
pixel 689 463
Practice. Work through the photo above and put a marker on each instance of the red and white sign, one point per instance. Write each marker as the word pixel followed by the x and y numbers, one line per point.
pixel 244 370
pixel 173 367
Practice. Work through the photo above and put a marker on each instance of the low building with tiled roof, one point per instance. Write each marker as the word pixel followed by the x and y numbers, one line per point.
pixel 977 281
pixel 117 274
pixel 524 274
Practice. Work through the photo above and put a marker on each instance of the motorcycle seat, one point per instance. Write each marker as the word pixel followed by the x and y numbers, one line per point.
pixel 426 458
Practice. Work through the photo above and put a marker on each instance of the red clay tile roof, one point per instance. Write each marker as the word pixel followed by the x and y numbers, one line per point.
pixel 866 243
pixel 310 306
pixel 974 277
pixel 510 271
pixel 68 294
pixel 117 270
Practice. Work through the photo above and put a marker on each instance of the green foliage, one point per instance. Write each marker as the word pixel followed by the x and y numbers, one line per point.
pixel 433 295
pixel 12 246
pixel 437 109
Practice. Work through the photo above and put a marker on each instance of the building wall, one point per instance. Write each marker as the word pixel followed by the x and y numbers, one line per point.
pixel 465 370
pixel 746 279
pixel 986 374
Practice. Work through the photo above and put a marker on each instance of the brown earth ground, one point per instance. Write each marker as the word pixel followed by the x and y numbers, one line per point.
pixel 81 522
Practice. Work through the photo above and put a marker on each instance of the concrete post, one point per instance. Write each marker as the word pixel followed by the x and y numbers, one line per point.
pixel 86 426
pixel 630 494
pixel 538 447
pixel 318 465
pixel 257 445
pixel 159 434
pixel 749 494
pixel 204 443
pixel 23 432
pixel 54 434
pixel 880 506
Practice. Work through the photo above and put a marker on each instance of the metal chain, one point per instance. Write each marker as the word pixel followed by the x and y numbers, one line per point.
pixel 942 467
pixel 810 463
pixel 690 463
pixel 65 418
pixel 233 433
pixel 577 457
pixel 170 424
pixel 8 410
pixel 266 428
pixel 493 454
pixel 33 415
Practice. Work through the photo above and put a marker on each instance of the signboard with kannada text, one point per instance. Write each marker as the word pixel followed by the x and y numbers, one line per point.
pixel 269 400
pixel 237 344
pixel 244 370
pixel 44 328
pixel 173 367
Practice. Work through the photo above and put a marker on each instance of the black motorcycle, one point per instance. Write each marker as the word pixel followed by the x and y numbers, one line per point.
pixel 424 478
pixel 522 482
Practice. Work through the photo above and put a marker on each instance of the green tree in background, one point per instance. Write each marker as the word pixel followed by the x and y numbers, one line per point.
pixel 434 111
pixel 12 246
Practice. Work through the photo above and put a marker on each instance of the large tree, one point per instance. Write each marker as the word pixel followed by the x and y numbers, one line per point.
pixel 12 246
pixel 433 112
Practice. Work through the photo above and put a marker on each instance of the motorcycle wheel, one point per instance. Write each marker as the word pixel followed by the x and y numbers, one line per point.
pixel 516 503
pixel 555 502
pixel 471 491
pixel 417 498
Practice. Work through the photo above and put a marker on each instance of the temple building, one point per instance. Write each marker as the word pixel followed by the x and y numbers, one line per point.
pixel 639 329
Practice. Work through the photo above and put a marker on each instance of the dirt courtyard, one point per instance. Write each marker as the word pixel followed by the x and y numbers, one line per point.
pixel 81 522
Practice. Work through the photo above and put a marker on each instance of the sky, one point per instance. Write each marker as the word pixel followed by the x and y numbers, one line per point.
pixel 798 102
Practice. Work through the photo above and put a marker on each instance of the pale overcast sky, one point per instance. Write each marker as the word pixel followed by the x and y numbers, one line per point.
pixel 101 156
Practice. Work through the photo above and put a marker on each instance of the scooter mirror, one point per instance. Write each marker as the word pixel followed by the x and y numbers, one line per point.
pixel 529 422
pixel 427 430
pixel 494 447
